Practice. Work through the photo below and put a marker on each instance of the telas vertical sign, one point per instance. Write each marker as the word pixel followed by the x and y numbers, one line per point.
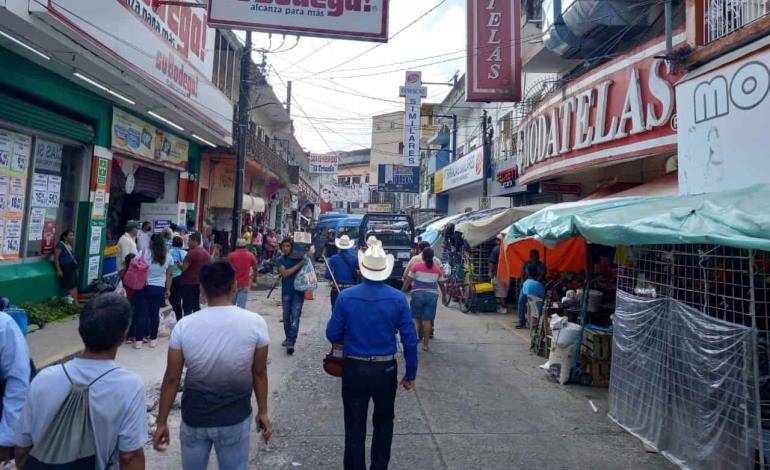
pixel 413 93
pixel 494 51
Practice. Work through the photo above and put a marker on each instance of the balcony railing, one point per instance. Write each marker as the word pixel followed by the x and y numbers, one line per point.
pixel 723 17
pixel 265 156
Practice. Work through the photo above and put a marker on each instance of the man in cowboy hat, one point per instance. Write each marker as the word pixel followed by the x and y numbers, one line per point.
pixel 343 266
pixel 367 317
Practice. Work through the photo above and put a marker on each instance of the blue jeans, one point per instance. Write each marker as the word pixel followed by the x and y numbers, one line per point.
pixel 231 444
pixel 423 305
pixel 147 303
pixel 241 296
pixel 292 310
pixel 523 299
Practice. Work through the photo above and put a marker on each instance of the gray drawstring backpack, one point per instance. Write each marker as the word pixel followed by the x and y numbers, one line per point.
pixel 68 442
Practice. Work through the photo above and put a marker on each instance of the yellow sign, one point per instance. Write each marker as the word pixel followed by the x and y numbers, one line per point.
pixel 438 181
pixel 138 138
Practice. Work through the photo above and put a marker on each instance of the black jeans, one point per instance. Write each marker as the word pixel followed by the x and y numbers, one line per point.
pixel 334 294
pixel 176 297
pixel 362 381
pixel 191 298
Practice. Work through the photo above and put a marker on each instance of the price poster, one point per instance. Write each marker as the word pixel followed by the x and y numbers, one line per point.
pixel 36 221
pixel 15 153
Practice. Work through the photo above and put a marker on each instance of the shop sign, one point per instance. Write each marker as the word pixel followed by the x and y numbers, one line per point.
pixel 135 137
pixel 325 164
pixel 365 20
pixel 466 170
pixel 723 137
pixel 506 178
pixel 371 208
pixel 494 50
pixel 171 48
pixel 621 110
pixel 398 179
pixel 345 193
pixel 412 92
pixel 48 156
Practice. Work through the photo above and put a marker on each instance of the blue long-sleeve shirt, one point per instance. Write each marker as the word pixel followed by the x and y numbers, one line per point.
pixel 339 266
pixel 14 371
pixel 368 316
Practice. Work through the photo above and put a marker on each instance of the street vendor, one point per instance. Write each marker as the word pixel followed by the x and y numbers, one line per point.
pixel 532 287
pixel 534 260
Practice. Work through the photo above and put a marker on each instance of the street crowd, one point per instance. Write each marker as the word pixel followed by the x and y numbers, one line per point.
pixel 91 413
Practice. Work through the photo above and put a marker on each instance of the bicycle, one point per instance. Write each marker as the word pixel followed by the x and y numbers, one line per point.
pixel 458 286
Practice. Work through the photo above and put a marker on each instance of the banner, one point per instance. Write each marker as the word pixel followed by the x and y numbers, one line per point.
pixel 135 137
pixel 398 179
pixel 494 51
pixel 464 170
pixel 365 20
pixel 350 193
pixel 325 164
pixel 412 92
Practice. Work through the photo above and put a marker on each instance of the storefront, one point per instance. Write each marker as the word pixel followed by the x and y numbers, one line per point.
pixel 616 123
pixel 147 166
pixel 461 182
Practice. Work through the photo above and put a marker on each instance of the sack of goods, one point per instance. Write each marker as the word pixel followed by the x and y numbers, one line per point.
pixel 306 279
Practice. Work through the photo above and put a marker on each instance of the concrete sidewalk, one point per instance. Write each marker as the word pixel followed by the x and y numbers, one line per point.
pixel 55 342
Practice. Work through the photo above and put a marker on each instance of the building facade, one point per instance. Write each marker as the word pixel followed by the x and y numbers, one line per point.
pixel 102 119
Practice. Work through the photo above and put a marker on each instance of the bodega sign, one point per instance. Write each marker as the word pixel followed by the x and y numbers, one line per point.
pixel 365 20
pixel 622 110
pixel 494 52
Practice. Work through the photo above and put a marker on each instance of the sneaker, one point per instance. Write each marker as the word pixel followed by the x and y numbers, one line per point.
pixel 285 343
pixel 138 344
pixel 289 349
pixel 130 340
pixel 502 310
pixel 521 326
pixel 153 343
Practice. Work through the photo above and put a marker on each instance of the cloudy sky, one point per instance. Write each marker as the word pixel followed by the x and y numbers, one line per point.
pixel 435 45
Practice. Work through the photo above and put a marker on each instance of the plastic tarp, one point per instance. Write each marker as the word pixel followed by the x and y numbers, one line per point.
pixel 478 231
pixel 683 382
pixel 731 218
pixel 567 256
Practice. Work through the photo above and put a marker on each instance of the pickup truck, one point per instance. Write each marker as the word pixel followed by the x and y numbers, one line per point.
pixel 396 232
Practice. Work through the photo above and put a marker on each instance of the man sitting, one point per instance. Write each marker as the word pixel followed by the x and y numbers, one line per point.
pixel 531 288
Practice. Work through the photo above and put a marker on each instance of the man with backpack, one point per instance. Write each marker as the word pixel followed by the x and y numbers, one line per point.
pixel 14 382
pixel 87 412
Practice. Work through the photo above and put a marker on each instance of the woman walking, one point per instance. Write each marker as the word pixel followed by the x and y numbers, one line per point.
pixel 67 265
pixel 150 298
pixel 177 257
pixel 425 278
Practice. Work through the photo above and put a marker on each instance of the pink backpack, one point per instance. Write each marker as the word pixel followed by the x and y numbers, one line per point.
pixel 136 274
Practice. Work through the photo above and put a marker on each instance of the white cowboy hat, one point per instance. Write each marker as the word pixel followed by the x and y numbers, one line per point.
pixel 375 264
pixel 371 240
pixel 344 243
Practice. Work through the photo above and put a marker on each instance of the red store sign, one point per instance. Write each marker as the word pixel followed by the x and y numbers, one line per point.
pixel 622 110
pixel 494 52
pixel 506 177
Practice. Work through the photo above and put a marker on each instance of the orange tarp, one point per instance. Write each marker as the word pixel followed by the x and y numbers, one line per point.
pixel 567 256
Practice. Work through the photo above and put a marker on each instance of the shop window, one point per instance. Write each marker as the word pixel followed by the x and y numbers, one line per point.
pixel 40 186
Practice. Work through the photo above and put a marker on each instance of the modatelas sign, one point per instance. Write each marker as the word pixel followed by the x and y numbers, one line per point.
pixel 365 20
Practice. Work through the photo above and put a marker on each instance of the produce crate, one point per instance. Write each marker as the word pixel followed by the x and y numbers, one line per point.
pixel 598 368
pixel 597 344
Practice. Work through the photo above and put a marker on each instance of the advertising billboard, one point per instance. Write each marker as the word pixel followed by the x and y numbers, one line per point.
pixel 323 163
pixel 365 20
pixel 398 179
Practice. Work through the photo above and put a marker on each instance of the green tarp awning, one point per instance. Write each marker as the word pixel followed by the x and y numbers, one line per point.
pixel 739 219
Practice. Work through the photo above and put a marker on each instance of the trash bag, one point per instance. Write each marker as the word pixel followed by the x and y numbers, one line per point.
pixel 167 323
pixel 568 335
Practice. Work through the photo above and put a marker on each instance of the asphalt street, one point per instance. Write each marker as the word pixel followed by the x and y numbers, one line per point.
pixel 481 402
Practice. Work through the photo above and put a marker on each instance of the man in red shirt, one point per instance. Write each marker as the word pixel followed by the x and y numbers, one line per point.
pixel 196 258
pixel 245 264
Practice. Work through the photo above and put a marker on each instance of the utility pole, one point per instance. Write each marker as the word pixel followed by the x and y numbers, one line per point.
pixel 454 137
pixel 485 142
pixel 669 14
pixel 288 98
pixel 243 129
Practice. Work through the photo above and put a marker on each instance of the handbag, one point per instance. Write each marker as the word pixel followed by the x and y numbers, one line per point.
pixel 136 274
pixel 74 260
pixel 333 362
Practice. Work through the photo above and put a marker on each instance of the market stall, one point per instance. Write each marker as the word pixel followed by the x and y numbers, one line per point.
pixel 690 357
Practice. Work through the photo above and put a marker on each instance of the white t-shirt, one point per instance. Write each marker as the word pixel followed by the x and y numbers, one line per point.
pixel 117 405
pixel 126 246
pixel 218 344
pixel 143 240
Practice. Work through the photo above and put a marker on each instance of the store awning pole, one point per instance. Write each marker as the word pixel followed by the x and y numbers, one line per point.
pixel 243 129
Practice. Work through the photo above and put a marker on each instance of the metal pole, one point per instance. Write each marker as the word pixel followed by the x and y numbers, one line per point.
pixel 243 129
pixel 486 153
pixel 288 98
pixel 454 137
pixel 755 359
pixel 669 12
